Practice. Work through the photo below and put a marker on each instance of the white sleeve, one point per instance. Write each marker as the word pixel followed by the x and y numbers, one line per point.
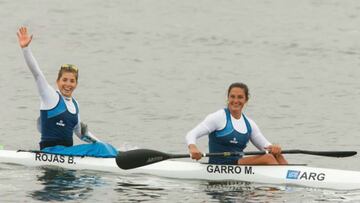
pixel 212 122
pixel 48 95
pixel 257 138
pixel 197 132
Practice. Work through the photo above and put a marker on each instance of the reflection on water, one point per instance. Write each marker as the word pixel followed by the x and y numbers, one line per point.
pixel 229 191
pixel 153 189
pixel 61 185
pixel 235 191
pixel 135 191
pixel 66 185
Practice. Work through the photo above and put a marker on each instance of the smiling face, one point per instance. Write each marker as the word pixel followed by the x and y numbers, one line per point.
pixel 67 83
pixel 237 99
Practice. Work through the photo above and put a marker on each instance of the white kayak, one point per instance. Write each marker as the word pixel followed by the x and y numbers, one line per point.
pixel 299 175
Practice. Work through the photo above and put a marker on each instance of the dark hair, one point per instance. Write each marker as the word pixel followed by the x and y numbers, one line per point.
pixel 242 86
pixel 68 68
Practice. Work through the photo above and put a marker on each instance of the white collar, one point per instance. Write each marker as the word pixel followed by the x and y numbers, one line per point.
pixel 66 98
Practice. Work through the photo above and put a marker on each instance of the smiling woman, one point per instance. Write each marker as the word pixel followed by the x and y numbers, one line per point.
pixel 230 130
pixel 59 111
pixel 67 79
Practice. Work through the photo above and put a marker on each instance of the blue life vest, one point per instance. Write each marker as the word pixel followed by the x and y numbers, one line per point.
pixel 57 125
pixel 228 140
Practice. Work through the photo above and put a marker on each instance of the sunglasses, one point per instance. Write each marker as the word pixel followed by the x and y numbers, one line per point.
pixel 70 67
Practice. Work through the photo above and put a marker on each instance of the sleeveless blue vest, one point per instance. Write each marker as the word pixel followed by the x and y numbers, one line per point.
pixel 228 140
pixel 57 124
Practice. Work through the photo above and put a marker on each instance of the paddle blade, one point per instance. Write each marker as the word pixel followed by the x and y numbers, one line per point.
pixel 336 153
pixel 139 157
pixel 321 153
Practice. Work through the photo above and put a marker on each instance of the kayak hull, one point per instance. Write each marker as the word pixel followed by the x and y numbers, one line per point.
pixel 299 175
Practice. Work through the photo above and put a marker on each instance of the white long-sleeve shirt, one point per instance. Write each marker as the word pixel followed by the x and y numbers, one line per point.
pixel 217 121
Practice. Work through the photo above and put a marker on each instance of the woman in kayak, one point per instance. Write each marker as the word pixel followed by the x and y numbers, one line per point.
pixel 59 111
pixel 230 130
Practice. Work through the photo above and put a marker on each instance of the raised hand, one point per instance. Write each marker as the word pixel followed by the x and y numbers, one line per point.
pixel 23 37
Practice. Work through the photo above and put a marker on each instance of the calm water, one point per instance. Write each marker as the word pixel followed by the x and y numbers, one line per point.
pixel 150 70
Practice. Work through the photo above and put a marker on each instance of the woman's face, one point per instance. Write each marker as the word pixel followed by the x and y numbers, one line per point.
pixel 67 84
pixel 236 99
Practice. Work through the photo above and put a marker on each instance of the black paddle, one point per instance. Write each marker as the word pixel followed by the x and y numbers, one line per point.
pixel 141 157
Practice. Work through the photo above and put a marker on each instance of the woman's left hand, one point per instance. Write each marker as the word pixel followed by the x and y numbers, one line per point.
pixel 274 149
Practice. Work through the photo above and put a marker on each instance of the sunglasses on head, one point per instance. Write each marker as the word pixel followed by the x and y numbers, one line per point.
pixel 70 67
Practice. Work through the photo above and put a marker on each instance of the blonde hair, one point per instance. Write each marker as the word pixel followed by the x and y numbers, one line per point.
pixel 68 68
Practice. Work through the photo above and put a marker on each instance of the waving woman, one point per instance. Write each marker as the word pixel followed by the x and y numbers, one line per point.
pixel 59 111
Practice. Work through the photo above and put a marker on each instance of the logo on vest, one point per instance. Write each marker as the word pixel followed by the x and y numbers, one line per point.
pixel 234 141
pixel 60 123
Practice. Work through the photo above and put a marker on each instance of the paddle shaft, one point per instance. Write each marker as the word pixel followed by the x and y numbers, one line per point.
pixel 141 157
pixel 292 151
